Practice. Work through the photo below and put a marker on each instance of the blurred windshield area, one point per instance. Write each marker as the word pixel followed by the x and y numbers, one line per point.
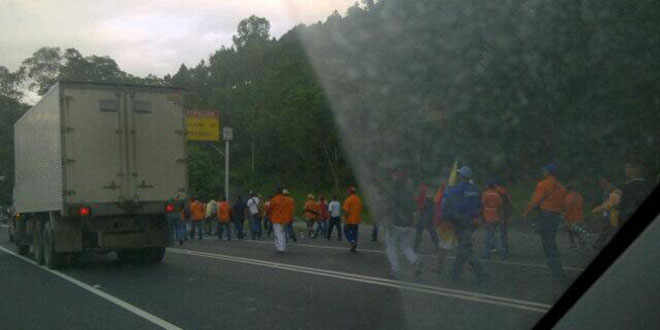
pixel 518 135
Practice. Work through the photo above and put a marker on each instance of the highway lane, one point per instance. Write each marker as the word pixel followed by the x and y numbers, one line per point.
pixel 244 284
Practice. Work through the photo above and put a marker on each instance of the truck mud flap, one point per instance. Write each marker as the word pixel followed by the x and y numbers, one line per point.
pixel 68 233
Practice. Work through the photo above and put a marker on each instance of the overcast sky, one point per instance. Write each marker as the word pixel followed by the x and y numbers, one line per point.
pixel 144 36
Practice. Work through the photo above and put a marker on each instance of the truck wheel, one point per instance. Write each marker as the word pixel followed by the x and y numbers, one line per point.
pixel 23 249
pixel 130 256
pixel 52 259
pixel 37 245
pixel 154 255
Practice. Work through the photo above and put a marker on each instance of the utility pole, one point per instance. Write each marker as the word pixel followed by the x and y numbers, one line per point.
pixel 227 135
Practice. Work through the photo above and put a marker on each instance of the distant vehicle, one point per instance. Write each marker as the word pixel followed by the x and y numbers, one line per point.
pixel 95 166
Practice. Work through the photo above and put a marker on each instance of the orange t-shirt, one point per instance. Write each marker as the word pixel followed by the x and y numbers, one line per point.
pixel 224 212
pixel 197 211
pixel 310 207
pixel 353 209
pixel 574 204
pixel 550 194
pixel 281 209
pixel 492 202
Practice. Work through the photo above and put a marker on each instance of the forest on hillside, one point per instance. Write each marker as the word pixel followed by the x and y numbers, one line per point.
pixel 505 86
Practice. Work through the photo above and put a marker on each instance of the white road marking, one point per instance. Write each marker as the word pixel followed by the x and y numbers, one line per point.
pixel 503 262
pixel 459 294
pixel 131 308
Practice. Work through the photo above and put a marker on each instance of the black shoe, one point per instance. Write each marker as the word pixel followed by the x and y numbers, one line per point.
pixel 181 242
pixel 353 248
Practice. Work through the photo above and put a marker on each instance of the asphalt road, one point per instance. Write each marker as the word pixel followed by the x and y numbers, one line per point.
pixel 316 284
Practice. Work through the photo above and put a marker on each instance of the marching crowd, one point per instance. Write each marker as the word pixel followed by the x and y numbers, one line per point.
pixel 450 214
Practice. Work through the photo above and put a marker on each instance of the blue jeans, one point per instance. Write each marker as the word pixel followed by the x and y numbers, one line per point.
pixel 238 227
pixel 255 226
pixel 180 228
pixel 172 221
pixel 464 253
pixel 321 228
pixel 334 222
pixel 198 226
pixel 222 226
pixel 268 226
pixel 489 244
pixel 290 233
pixel 547 224
pixel 351 232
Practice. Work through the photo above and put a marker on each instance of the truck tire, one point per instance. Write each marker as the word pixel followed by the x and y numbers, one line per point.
pixel 37 244
pixel 130 256
pixel 23 249
pixel 154 255
pixel 52 259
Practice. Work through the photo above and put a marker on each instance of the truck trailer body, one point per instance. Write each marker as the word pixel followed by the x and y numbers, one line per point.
pixel 96 164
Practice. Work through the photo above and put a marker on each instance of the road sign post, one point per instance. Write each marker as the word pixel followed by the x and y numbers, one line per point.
pixel 227 135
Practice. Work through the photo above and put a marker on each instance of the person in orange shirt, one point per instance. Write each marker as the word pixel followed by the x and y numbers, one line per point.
pixel 574 217
pixel 492 213
pixel 224 217
pixel 281 213
pixel 549 196
pixel 352 208
pixel 310 213
pixel 323 218
pixel 197 213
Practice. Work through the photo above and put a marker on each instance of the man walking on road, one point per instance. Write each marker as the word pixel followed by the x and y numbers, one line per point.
pixel 324 216
pixel 198 213
pixel 211 215
pixel 574 217
pixel 310 213
pixel 492 214
pixel 549 196
pixel 238 217
pixel 224 216
pixel 255 221
pixel 461 206
pixel 352 217
pixel 281 211
pixel 399 232
pixel 335 217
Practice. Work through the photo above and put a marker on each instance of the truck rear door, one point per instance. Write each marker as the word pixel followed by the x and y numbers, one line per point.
pixel 94 145
pixel 156 145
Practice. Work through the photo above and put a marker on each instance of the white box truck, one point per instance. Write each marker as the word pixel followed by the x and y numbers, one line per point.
pixel 96 164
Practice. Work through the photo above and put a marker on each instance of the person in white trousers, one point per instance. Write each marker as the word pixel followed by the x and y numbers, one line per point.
pixel 281 210
pixel 400 229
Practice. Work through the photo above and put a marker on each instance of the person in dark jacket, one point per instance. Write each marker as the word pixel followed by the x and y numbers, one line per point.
pixel 461 205
pixel 238 217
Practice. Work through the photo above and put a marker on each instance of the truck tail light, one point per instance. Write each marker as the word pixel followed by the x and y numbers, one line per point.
pixel 169 208
pixel 85 211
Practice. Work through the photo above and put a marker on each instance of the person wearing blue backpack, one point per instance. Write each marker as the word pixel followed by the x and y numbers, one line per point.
pixel 461 205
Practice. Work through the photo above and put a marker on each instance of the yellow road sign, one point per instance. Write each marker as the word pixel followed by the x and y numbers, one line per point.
pixel 203 125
